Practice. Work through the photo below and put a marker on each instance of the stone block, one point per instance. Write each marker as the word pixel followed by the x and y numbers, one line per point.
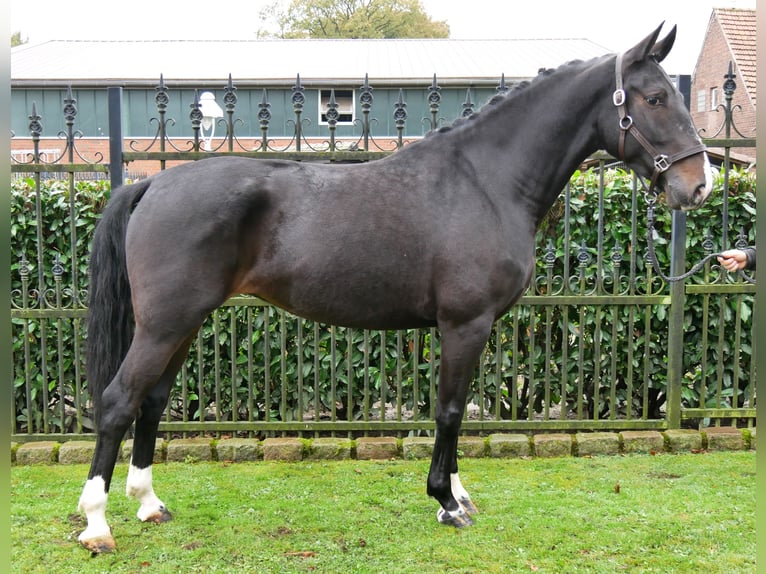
pixel 417 447
pixel 471 447
pixel 553 445
pixel 239 449
pixel 76 452
pixel 724 438
pixel 683 440
pixel 159 450
pixel 189 450
pixel 376 448
pixel 752 438
pixel 643 442
pixel 283 449
pixel 329 449
pixel 509 445
pixel 37 453
pixel 597 443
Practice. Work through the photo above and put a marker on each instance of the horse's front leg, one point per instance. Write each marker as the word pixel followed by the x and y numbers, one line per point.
pixel 461 347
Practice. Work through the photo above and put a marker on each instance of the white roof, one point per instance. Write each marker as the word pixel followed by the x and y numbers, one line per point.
pixel 277 62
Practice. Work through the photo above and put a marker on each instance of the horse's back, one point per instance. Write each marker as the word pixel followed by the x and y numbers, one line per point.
pixel 370 245
pixel 303 236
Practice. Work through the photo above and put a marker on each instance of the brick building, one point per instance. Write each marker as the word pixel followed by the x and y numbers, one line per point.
pixel 730 40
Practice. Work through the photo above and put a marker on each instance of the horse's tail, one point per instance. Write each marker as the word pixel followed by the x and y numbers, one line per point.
pixel 110 311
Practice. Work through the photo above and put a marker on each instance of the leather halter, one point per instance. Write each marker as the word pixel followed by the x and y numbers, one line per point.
pixel 662 162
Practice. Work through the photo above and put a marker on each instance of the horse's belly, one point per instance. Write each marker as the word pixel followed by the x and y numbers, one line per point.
pixel 339 292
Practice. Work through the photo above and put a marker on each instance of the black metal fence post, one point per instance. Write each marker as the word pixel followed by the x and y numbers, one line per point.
pixel 676 320
pixel 114 99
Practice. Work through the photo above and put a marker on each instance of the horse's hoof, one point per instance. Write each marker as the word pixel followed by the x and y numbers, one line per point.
pixel 468 506
pixel 99 545
pixel 458 518
pixel 162 515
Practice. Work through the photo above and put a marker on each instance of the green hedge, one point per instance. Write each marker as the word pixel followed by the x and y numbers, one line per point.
pixel 621 337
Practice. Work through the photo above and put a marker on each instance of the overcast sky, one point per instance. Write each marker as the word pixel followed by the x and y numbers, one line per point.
pixel 613 24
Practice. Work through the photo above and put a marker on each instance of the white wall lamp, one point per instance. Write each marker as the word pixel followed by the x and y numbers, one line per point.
pixel 211 111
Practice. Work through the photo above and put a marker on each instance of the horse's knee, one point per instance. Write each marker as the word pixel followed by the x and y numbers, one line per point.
pixel 448 419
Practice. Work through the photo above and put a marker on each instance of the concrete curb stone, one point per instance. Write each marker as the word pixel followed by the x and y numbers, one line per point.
pixel 189 449
pixel 597 443
pixel 553 445
pixel 76 451
pixel 45 452
pixel 417 447
pixel 377 448
pixel 509 446
pixel 329 449
pixel 471 447
pixel 159 451
pixel 723 438
pixel 499 445
pixel 642 442
pixel 239 449
pixel 283 449
pixel 681 440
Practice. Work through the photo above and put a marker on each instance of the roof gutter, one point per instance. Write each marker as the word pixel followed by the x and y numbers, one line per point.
pixel 259 82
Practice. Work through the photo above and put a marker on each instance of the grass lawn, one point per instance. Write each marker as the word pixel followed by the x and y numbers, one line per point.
pixel 673 513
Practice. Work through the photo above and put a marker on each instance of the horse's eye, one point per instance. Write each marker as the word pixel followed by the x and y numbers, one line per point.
pixel 653 100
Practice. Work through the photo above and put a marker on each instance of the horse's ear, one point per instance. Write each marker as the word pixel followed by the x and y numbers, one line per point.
pixel 650 48
pixel 662 48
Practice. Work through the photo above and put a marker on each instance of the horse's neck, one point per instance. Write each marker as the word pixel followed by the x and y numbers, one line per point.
pixel 542 136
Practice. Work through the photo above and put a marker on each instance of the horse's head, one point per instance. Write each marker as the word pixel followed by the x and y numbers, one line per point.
pixel 656 137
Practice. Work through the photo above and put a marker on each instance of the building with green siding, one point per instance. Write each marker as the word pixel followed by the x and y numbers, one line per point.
pixel 438 80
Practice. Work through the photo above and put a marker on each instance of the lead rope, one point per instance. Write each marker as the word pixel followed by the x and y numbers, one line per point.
pixel 651 232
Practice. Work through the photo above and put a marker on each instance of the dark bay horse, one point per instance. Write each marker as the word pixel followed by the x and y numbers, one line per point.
pixel 440 233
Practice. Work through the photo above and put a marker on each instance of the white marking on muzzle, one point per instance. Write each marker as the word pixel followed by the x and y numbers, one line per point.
pixel 708 176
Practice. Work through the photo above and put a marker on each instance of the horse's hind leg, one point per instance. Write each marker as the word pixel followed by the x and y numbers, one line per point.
pixel 461 347
pixel 139 483
pixel 142 367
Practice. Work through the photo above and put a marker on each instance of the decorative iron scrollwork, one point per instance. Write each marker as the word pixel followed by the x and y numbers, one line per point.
pixel 400 116
pixel 434 101
pixel 502 87
pixel 467 105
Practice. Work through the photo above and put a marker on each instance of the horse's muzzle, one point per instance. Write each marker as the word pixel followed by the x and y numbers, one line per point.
pixel 685 187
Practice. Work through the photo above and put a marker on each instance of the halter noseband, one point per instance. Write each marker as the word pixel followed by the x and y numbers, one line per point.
pixel 662 162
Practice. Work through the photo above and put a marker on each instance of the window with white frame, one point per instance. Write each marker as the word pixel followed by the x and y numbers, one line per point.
pixel 701 99
pixel 714 98
pixel 345 100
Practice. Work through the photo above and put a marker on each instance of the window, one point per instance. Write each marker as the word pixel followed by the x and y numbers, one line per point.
pixel 701 100
pixel 713 98
pixel 345 101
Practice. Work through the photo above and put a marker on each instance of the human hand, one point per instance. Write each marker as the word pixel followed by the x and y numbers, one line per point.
pixel 733 259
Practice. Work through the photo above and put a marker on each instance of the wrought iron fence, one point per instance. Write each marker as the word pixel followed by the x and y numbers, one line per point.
pixel 597 342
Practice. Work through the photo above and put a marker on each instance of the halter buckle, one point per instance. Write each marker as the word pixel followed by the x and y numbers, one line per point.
pixel 661 163
pixel 618 98
pixel 626 123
